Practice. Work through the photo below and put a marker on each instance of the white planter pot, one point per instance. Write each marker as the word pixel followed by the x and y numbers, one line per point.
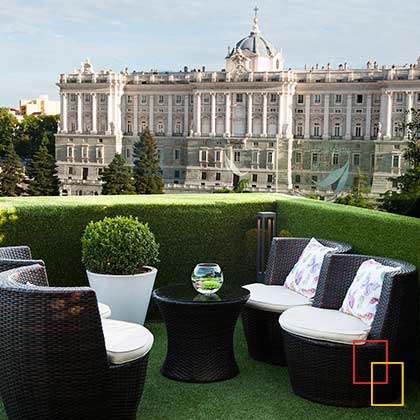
pixel 128 296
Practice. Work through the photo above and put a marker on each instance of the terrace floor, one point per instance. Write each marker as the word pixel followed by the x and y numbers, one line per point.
pixel 259 392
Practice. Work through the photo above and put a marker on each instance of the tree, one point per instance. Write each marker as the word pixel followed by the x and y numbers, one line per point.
pixel 34 131
pixel 8 126
pixel 359 195
pixel 12 174
pixel 147 173
pixel 117 178
pixel 42 173
pixel 406 200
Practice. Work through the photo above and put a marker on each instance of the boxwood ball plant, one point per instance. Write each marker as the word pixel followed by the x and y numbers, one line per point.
pixel 120 245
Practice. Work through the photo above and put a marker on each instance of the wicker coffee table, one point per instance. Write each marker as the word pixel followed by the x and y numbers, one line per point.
pixel 200 332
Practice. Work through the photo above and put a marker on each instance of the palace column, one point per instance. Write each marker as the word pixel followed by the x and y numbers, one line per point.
pixel 227 114
pixel 197 115
pixel 213 114
pixel 388 126
pixel 151 114
pixel 186 112
pixel 249 116
pixel 409 115
pixel 348 117
pixel 307 116
pixel 280 115
pixel 79 113
pixel 368 125
pixel 110 114
pixel 136 115
pixel 94 114
pixel 64 118
pixel 264 116
pixel 326 129
pixel 169 131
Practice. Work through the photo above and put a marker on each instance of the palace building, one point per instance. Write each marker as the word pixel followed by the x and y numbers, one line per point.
pixel 283 129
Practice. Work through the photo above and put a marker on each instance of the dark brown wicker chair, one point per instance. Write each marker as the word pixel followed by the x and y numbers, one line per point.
pixel 322 371
pixel 53 360
pixel 262 330
pixel 16 256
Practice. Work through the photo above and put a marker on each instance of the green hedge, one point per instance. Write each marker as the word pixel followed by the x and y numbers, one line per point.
pixel 369 232
pixel 190 229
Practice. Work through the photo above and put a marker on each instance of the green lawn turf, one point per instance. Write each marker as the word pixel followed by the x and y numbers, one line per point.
pixel 259 392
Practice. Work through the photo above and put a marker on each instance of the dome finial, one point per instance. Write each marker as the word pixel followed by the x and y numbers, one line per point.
pixel 255 28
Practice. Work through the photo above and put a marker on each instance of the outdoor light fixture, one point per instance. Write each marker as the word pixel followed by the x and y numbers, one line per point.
pixel 266 229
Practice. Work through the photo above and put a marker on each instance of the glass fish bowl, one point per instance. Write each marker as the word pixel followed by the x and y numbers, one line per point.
pixel 207 278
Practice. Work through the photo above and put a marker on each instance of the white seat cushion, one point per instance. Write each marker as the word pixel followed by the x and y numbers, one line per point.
pixel 104 310
pixel 324 324
pixel 125 341
pixel 274 298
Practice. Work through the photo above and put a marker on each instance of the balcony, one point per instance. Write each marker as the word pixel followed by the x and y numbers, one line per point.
pixel 220 228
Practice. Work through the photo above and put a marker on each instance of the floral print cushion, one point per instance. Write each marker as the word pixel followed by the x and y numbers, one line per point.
pixel 363 295
pixel 304 276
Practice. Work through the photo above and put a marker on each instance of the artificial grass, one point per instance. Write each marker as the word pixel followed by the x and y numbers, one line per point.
pixel 259 392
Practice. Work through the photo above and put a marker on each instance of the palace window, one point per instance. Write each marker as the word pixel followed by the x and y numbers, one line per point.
pixel 127 153
pixel 218 176
pixel 70 151
pixel 178 127
pixel 314 158
pixel 338 99
pixel 129 127
pixel 358 130
pixel 72 97
pixel 129 99
pixel 418 97
pixel 254 157
pixel 176 173
pixel 85 152
pixel 396 161
pixel 317 99
pixel 317 130
pixel 359 99
pixel 178 99
pixel 177 154
pixel 270 157
pixel 237 157
pixel 299 129
pixel 300 99
pixel 161 99
pixel 297 179
pixel 203 155
pixel 217 156
pixel 160 127
pixel 356 159
pixel 337 130
pixel 71 170
pixel 143 99
pixel 203 176
pixel 85 173
pixel 99 154
pixel 298 157
pixel 87 98
pixel 398 130
pixel 206 99
pixel 102 98
pixel 399 98
pixel 239 97
pixel 314 178
pixel 335 158
pixel 269 178
pixel 375 129
pixel 254 177
pixel 273 98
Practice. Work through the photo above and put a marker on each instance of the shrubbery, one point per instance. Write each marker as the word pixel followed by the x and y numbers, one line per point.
pixel 119 245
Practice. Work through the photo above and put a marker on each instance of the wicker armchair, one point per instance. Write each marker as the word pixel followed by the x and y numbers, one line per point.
pixel 16 256
pixel 322 370
pixel 262 331
pixel 54 355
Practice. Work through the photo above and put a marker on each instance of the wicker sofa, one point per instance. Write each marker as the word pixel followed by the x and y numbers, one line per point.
pixel 260 316
pixel 321 367
pixel 59 360
pixel 16 256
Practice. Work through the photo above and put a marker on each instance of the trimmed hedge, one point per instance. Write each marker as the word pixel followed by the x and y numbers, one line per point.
pixel 189 229
pixel 369 232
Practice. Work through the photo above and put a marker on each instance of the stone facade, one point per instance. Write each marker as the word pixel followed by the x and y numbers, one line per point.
pixel 284 130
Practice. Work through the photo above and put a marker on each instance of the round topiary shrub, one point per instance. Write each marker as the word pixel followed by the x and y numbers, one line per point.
pixel 119 245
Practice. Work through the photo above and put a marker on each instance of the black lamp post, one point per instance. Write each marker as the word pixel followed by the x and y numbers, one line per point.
pixel 266 230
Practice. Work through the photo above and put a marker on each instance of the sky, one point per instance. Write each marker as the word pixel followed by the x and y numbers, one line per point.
pixel 41 39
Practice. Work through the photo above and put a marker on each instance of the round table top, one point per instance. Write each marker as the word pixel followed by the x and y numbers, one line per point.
pixel 185 293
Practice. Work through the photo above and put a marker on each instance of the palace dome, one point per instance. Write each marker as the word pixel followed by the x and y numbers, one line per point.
pixel 257 44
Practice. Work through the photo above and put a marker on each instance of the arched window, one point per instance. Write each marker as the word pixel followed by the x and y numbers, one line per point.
pixel 358 130
pixel 317 130
pixel 337 129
